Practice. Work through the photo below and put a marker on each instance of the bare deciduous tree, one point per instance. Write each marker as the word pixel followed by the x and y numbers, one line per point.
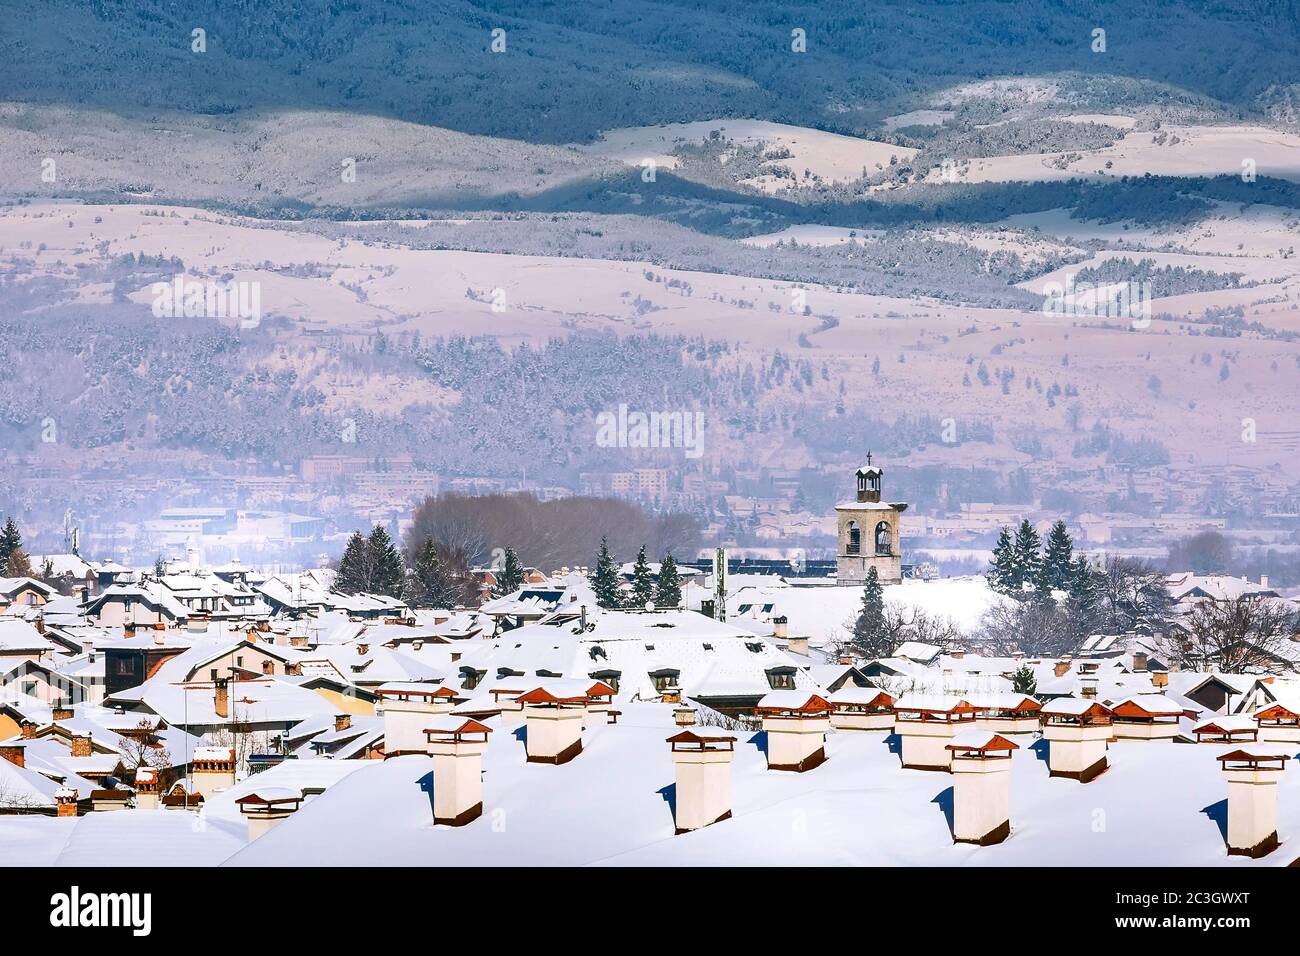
pixel 1244 635
pixel 140 747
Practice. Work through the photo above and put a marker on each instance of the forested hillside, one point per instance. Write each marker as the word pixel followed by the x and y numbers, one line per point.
pixel 573 68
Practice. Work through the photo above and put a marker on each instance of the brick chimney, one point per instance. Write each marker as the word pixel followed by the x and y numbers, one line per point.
pixel 684 716
pixel 14 753
pixel 62 711
pixel 1061 669
pixel 39 624
pixel 221 697
pixel 1160 679
pixel 28 729
pixel 342 722
pixel 1139 661
pixel 81 745
pixel 66 798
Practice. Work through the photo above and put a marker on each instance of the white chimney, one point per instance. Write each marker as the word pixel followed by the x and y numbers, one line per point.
pixel 1253 771
pixel 926 724
pixel 1278 725
pixel 862 708
pixel 981 787
pixel 684 716
pixel 213 769
pixel 796 723
pixel 267 808
pixel 407 709
pixel 703 764
pixel 146 788
pixel 1077 732
pixel 456 745
pixel 553 718
pixel 1263 580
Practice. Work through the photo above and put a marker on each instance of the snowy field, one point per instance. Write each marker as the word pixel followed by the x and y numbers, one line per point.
pixel 833 157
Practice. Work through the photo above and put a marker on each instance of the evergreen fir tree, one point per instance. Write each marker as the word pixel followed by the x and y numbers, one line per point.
pixel 433 583
pixel 604 578
pixel 510 576
pixel 1025 557
pixel 668 591
pixel 353 573
pixel 10 541
pixel 387 573
pixel 1001 573
pixel 869 637
pixel 643 586
pixel 18 565
pixel 1023 680
pixel 1058 560
pixel 1082 602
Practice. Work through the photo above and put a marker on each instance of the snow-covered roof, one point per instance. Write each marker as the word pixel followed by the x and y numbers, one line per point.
pixel 985 740
pixel 1232 723
pixel 607 807
pixel 794 700
pixel 1154 704
pixel 858 695
pixel 938 703
pixel 1071 707
pixel 214 753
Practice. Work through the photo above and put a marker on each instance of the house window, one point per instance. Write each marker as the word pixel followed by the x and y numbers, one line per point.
pixel 213 672
pixel 665 679
pixel 781 678
pixel 855 539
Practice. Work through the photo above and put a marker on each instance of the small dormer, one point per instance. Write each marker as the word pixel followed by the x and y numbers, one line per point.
pixel 869 478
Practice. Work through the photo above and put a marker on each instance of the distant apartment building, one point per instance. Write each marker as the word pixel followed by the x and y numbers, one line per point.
pixel 645 483
pixel 320 469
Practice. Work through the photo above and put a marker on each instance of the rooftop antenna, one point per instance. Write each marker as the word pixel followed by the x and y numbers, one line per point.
pixel 720 584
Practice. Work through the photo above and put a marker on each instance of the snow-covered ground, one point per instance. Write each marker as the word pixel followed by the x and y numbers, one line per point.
pixel 1159 804
pixel 820 613
pixel 831 156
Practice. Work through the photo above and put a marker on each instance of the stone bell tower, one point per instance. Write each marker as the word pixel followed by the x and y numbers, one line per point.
pixel 868 532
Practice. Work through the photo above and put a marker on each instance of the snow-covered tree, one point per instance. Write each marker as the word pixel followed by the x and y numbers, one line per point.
pixel 1025 557
pixel 604 578
pixel 1058 560
pixel 643 587
pixel 668 590
pixel 353 572
pixel 510 576
pixel 388 575
pixel 1001 573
